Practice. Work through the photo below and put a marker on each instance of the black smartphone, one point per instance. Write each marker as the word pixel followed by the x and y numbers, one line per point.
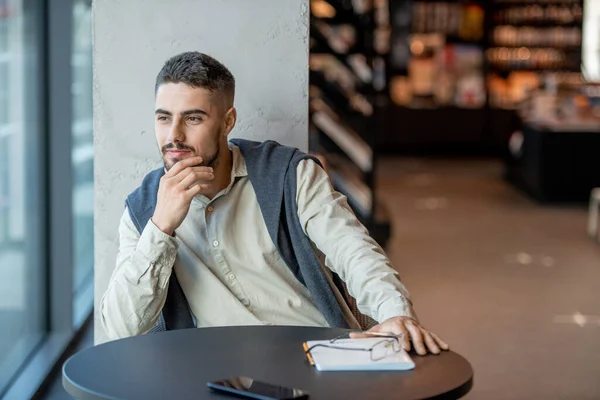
pixel 252 389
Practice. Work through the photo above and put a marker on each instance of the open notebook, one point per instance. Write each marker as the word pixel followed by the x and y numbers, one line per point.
pixel 342 359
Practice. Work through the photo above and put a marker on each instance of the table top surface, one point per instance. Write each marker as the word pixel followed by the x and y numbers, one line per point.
pixel 178 364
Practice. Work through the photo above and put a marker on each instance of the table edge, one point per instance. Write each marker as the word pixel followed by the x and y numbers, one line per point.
pixel 81 393
pixel 77 391
pixel 457 392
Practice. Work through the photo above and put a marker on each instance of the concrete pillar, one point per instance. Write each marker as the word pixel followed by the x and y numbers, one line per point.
pixel 263 42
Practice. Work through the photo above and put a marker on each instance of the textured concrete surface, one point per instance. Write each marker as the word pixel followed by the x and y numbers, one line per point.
pixel 263 42
pixel 510 284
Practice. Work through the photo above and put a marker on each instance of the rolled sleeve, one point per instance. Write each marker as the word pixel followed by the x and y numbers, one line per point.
pixel 138 286
pixel 158 251
pixel 398 307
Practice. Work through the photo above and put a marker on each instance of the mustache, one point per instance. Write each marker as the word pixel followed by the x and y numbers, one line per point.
pixel 175 146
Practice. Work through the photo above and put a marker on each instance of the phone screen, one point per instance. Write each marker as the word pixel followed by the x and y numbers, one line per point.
pixel 257 390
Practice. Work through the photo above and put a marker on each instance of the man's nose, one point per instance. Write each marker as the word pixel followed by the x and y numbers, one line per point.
pixel 176 133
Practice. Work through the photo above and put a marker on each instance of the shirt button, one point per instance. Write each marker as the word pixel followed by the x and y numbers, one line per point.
pixel 246 302
pixel 216 243
pixel 231 276
pixel 210 209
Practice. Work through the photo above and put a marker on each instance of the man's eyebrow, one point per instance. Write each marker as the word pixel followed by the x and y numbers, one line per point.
pixel 183 113
pixel 194 111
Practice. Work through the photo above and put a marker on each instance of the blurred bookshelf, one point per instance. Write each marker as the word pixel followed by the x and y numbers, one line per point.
pixel 347 83
pixel 423 77
pixel 458 71
pixel 530 43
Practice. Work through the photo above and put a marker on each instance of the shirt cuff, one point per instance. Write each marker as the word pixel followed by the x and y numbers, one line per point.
pixel 396 307
pixel 154 244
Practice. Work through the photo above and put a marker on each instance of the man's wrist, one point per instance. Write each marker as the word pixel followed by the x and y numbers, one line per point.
pixel 163 228
pixel 157 247
pixel 396 307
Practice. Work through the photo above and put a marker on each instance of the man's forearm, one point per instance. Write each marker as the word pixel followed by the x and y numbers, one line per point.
pixel 350 251
pixel 399 306
pixel 138 286
pixel 361 263
pixel 365 268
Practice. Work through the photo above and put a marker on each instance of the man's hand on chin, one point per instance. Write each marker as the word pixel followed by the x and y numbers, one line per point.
pixel 422 339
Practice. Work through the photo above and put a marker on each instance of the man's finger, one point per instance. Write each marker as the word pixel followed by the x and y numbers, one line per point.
pixel 196 189
pixel 431 344
pixel 183 164
pixel 191 171
pixel 362 335
pixel 358 335
pixel 194 177
pixel 440 342
pixel 417 338
pixel 405 336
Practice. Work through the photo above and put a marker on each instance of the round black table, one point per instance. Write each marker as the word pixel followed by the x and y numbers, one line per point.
pixel 177 365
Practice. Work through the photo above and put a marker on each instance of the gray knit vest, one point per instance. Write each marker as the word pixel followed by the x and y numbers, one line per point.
pixel 272 173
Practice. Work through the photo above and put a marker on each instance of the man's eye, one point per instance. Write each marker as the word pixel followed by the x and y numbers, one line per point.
pixel 194 119
pixel 162 118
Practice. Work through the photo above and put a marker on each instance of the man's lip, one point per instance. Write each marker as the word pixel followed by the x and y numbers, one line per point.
pixel 178 152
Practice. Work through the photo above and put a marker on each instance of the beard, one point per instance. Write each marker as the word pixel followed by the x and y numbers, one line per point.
pixel 207 161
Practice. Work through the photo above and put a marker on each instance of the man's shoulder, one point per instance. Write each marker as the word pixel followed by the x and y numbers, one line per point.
pixel 153 176
pixel 270 151
pixel 150 182
pixel 142 201
pixel 147 191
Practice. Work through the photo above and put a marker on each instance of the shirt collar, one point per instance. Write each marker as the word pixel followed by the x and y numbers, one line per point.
pixel 238 169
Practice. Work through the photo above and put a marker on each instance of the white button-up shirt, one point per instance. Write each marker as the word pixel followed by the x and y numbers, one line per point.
pixel 231 272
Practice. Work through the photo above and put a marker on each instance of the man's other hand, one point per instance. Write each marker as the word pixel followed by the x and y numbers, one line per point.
pixel 422 339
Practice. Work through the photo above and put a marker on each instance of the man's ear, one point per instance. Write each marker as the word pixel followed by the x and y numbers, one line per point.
pixel 230 120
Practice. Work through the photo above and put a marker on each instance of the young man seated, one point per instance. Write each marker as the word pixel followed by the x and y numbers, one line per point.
pixel 242 233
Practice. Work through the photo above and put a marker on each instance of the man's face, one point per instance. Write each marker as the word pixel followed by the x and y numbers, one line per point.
pixel 188 122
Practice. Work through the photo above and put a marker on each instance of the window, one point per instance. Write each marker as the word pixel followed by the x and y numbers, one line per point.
pixel 82 155
pixel 22 272
pixel 46 186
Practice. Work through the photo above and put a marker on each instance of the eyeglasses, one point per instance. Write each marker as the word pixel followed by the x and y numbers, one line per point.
pixel 390 344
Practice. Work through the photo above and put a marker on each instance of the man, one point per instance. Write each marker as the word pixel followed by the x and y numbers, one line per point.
pixel 242 233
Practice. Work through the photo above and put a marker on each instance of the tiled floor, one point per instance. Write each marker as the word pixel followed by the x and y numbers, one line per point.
pixel 499 277
pixel 511 285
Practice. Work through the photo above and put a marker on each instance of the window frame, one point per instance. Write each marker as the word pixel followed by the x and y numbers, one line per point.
pixel 49 28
